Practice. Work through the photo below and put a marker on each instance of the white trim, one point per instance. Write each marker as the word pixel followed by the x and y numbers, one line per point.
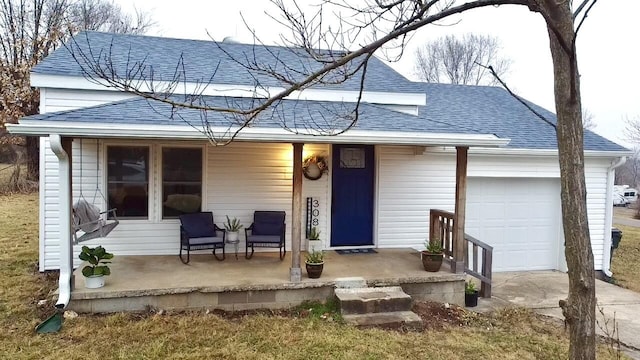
pixel 376 192
pixel 230 90
pixel 42 107
pixel 41 210
pixel 608 215
pixel 548 152
pixel 366 137
pixel 526 152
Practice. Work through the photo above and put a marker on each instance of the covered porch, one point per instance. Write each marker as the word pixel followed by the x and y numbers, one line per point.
pixel 140 283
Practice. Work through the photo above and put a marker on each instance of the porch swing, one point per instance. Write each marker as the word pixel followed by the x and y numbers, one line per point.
pixel 87 218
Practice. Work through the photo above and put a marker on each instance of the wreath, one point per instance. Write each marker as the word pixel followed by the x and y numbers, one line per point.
pixel 314 166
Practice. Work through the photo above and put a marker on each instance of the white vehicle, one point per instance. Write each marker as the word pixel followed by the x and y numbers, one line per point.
pixel 627 192
pixel 619 200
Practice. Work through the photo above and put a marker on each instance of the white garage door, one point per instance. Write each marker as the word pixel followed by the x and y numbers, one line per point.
pixel 520 218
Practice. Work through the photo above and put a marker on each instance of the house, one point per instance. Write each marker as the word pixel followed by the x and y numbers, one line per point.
pixel 416 147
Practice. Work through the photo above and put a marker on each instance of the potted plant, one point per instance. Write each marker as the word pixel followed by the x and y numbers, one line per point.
pixel 233 229
pixel 315 244
pixel 315 264
pixel 96 270
pixel 432 256
pixel 470 294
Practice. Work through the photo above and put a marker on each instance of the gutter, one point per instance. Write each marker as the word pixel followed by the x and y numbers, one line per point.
pixel 66 250
pixel 146 131
pixel 608 215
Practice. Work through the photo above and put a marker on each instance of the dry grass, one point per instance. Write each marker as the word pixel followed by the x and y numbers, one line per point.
pixel 510 334
pixel 626 259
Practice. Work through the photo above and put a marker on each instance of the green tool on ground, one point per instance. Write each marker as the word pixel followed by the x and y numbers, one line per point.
pixel 51 325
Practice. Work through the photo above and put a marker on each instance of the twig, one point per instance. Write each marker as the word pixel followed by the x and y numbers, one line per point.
pixel 504 85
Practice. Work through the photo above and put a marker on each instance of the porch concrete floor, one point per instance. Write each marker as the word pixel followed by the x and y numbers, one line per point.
pixel 160 275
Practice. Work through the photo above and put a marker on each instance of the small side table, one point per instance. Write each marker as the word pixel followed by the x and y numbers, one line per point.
pixel 235 245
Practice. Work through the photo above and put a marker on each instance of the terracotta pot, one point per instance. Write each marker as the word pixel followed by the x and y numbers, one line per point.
pixel 431 261
pixel 471 300
pixel 314 270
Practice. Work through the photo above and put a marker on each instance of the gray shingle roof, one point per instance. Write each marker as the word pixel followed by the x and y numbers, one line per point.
pixel 450 108
pixel 487 109
pixel 200 59
pixel 290 114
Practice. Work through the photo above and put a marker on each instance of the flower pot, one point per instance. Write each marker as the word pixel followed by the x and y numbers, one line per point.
pixel 94 281
pixel 431 261
pixel 314 270
pixel 471 300
pixel 233 236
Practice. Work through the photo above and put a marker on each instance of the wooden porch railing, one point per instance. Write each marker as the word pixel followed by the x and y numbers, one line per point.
pixel 441 227
pixel 485 265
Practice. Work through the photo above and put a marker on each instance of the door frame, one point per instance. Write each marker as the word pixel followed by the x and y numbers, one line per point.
pixel 376 174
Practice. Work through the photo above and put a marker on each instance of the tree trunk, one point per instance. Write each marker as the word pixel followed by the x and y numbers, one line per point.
pixel 579 309
pixel 33 158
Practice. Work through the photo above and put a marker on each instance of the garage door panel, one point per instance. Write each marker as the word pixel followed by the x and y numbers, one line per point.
pixel 519 218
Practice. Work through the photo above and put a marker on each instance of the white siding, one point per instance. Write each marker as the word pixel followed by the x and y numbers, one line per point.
pixel 52 100
pixel 239 179
pixel 412 182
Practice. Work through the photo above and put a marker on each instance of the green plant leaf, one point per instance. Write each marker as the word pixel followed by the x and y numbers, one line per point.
pixel 84 256
pixel 93 260
pixel 87 271
pixel 99 252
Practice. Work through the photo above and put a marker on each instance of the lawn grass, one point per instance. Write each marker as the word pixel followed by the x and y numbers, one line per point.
pixel 509 334
pixel 625 264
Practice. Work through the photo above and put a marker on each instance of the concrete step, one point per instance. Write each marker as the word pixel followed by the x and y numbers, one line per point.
pixel 372 300
pixel 387 320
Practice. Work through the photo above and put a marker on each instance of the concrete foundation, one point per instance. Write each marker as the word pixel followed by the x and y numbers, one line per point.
pixel 163 282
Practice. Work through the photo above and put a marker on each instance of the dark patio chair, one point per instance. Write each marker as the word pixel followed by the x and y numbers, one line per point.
pixel 267 230
pixel 198 232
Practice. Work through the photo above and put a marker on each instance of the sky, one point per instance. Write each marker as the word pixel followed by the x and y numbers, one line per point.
pixel 608 47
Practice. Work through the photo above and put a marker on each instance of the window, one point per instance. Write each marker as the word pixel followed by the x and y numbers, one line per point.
pixel 128 181
pixel 352 158
pixel 181 181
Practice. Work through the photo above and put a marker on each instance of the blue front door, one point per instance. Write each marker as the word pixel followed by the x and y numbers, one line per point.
pixel 352 195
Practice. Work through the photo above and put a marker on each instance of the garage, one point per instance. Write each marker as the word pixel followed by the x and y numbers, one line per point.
pixel 519 217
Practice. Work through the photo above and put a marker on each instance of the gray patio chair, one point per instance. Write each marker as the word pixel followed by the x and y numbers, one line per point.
pixel 267 230
pixel 198 232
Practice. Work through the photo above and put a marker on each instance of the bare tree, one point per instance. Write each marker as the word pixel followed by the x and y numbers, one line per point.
pixel 458 60
pixel 588 122
pixel 632 129
pixel 103 15
pixel 384 26
pixel 629 173
pixel 29 30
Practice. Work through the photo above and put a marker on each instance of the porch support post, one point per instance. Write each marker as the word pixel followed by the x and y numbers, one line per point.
pixel 460 245
pixel 296 216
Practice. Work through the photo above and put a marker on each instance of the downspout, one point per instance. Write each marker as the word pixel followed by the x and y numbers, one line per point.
pixel 608 216
pixel 66 250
